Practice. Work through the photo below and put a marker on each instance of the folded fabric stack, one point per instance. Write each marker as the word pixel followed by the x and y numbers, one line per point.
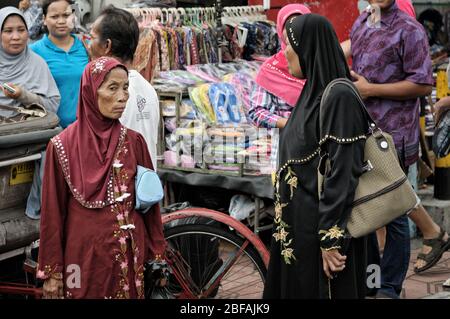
pixel 213 130
pixel 187 110
pixel 175 80
pixel 259 156
pixel 216 72
pixel 202 105
pixel 244 84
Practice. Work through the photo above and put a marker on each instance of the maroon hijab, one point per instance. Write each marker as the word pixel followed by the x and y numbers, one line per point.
pixel 86 148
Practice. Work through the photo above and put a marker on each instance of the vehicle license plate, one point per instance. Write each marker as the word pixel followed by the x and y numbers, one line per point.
pixel 21 173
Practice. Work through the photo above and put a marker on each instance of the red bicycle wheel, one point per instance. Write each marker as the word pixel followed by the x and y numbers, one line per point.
pixel 214 263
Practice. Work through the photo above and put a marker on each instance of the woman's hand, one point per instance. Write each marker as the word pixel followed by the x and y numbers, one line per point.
pixel 15 95
pixel 161 282
pixel 281 123
pixel 53 289
pixel 333 261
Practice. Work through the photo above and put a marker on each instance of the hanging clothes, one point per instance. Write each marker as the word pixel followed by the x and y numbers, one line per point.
pixel 174 46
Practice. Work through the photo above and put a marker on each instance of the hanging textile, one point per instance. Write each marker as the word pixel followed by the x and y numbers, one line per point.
pixel 177 38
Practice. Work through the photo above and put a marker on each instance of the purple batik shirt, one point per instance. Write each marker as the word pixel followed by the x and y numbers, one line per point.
pixel 394 52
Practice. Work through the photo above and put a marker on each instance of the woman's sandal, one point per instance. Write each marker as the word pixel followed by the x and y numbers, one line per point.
pixel 446 284
pixel 438 247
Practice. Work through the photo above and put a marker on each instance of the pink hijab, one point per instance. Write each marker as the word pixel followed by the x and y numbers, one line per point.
pixel 274 74
pixel 407 7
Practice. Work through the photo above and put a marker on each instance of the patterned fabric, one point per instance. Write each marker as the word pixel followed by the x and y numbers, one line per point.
pixel 142 54
pixel 396 51
pixel 267 40
pixel 107 247
pixel 165 60
pixel 153 66
pixel 163 48
pixel 266 109
pixel 244 84
pixel 33 18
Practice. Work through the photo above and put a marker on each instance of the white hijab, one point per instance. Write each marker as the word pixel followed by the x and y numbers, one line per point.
pixel 26 69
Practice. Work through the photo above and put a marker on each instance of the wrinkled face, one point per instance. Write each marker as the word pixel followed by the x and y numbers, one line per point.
pixel 383 4
pixel 293 62
pixel 59 19
pixel 14 35
pixel 112 95
pixel 97 48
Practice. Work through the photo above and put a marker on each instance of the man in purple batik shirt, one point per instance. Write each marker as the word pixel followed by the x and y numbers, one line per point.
pixel 396 57
pixel 392 68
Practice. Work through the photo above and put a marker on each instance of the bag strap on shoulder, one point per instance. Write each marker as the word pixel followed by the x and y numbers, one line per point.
pixel 350 85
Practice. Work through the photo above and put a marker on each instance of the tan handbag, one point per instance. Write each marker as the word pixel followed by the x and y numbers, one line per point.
pixel 383 192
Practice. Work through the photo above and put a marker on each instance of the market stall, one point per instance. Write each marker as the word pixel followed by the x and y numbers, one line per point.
pixel 203 63
pixel 201 149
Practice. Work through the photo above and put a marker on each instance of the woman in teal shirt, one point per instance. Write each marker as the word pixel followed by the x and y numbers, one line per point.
pixel 65 55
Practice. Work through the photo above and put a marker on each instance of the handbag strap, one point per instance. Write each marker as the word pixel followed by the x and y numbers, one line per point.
pixel 350 85
pixel 33 109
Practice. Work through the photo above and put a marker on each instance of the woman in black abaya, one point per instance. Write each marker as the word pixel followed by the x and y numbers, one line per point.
pixel 312 256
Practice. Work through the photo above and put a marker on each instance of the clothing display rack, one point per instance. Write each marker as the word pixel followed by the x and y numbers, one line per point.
pixel 187 36
pixel 179 16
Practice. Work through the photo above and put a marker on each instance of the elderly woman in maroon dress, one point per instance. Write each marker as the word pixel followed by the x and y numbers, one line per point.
pixel 93 243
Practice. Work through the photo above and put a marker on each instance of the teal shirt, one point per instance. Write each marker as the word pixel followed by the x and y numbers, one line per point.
pixel 67 69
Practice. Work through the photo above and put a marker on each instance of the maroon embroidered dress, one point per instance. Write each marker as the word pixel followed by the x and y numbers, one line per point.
pixel 107 241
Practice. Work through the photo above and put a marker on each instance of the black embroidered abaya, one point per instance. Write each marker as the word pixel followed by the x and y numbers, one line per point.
pixel 305 225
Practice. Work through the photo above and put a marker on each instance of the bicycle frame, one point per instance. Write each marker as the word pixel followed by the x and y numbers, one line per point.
pixel 224 219
pixel 21 289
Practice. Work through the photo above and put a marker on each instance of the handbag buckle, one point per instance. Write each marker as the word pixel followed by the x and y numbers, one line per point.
pixel 368 166
pixel 375 130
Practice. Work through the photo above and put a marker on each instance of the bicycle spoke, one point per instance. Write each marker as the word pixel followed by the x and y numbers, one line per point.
pixel 225 268
pixel 215 265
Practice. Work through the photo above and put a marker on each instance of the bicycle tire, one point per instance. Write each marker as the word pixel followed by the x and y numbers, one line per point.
pixel 230 286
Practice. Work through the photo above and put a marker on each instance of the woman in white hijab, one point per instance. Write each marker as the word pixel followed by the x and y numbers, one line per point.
pixel 21 69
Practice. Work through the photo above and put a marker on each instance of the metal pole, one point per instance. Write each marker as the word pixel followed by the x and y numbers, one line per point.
pixel 21 160
pixel 219 9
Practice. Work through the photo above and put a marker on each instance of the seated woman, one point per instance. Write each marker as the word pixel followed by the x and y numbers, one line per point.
pixel 276 91
pixel 65 54
pixel 23 70
pixel 311 254
pixel 30 78
pixel 90 231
